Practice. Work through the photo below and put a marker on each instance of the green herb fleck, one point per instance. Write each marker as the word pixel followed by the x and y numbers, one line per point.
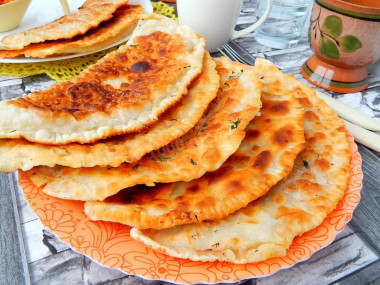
pixel 235 74
pixel 235 124
pixel 193 162
pixel 188 66
pixel 204 126
pixel 306 164
pixel 162 158
pixel 134 167
pixel 12 131
pixel 200 131
pixel 133 45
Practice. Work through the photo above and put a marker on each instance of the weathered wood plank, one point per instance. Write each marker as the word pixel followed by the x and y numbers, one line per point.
pixel 14 267
pixel 37 83
pixel 63 268
pixel 339 259
pixel 8 92
pixel 26 214
pixel 365 275
pixel 10 82
pixel 35 248
pixel 292 58
pixel 366 215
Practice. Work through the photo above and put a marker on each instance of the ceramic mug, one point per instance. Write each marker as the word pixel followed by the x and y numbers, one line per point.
pixel 345 37
pixel 215 20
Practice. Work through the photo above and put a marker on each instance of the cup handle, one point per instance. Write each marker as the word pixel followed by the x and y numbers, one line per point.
pixel 237 34
pixel 65 7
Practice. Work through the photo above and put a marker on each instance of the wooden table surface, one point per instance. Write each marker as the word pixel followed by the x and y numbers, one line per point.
pixel 38 257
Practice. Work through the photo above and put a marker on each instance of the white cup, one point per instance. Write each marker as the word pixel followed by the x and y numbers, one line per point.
pixel 215 20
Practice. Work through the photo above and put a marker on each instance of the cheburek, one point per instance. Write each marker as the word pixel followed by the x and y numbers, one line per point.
pixel 299 203
pixel 21 154
pixel 114 30
pixel 265 156
pixel 213 139
pixel 90 15
pixel 123 92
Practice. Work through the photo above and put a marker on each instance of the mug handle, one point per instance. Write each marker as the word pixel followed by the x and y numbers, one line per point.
pixel 237 34
pixel 65 7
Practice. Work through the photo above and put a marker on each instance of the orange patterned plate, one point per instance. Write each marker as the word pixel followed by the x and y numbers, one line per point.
pixel 110 244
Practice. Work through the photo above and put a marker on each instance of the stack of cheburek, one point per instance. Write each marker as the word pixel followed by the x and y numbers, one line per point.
pixel 96 25
pixel 205 159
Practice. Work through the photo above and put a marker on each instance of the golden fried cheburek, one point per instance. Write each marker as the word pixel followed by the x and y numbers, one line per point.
pixel 299 203
pixel 107 33
pixel 179 119
pixel 123 92
pixel 90 15
pixel 266 155
pixel 213 139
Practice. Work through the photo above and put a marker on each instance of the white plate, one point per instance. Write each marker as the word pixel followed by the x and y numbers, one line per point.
pixel 41 12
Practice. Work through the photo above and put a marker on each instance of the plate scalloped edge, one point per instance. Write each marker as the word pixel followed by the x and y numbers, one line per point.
pixel 110 245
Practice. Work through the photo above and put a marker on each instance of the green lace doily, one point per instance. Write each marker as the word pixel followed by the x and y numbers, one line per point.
pixel 67 69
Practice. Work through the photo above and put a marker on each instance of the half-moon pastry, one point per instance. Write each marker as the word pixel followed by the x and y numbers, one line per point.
pixel 123 92
pixel 299 203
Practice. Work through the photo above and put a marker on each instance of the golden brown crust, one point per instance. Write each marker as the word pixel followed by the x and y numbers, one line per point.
pixel 264 157
pixel 111 31
pixel 213 139
pixel 90 15
pixel 122 93
pixel 296 205
pixel 19 153
pixel 144 68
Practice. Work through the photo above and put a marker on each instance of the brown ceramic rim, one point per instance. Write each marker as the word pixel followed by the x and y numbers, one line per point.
pixel 351 10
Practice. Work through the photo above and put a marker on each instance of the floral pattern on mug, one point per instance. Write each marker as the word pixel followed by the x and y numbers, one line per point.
pixel 331 41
